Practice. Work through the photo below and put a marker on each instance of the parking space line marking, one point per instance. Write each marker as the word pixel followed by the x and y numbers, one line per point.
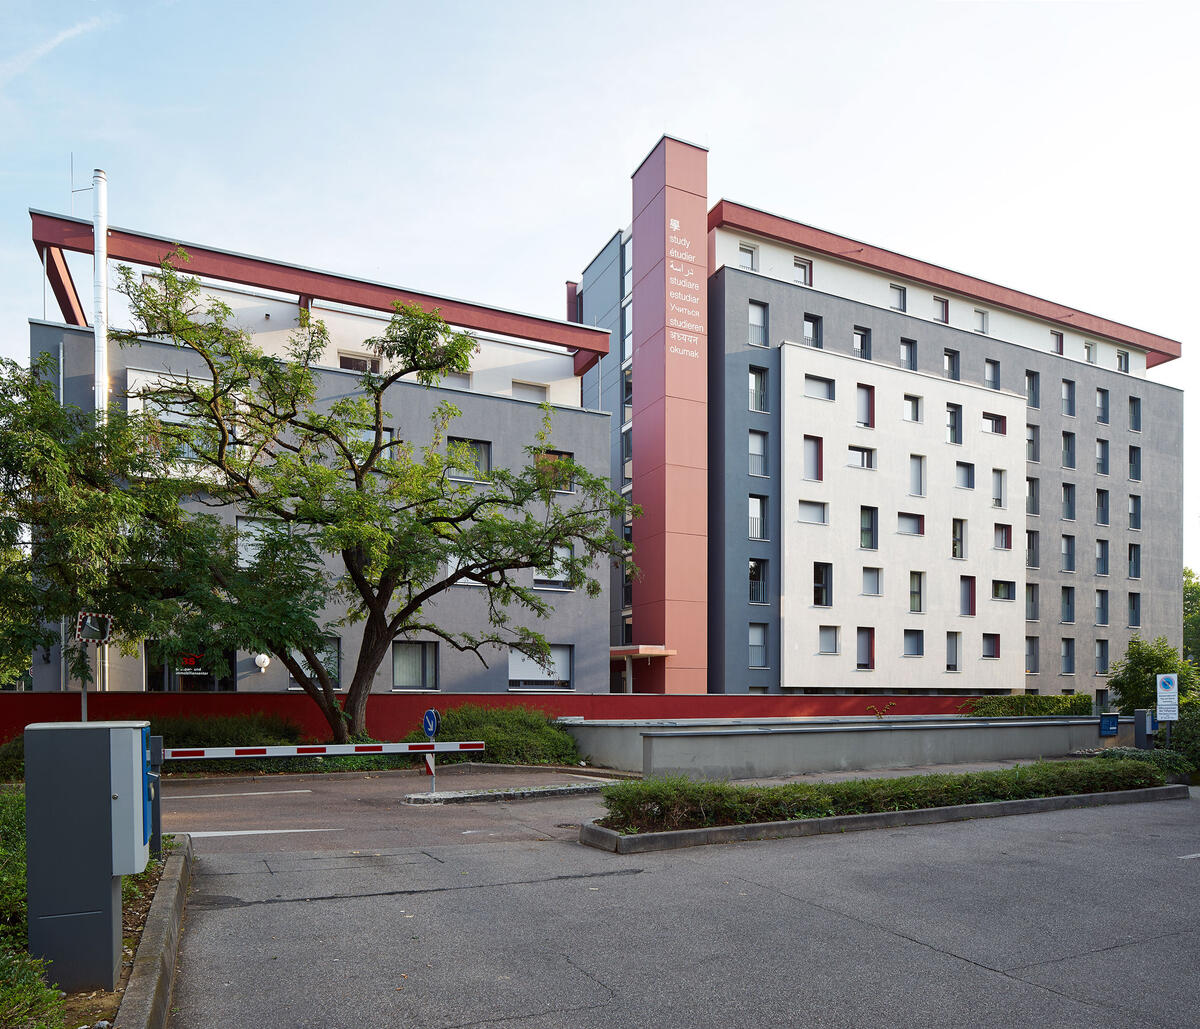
pixel 206 796
pixel 1188 857
pixel 253 832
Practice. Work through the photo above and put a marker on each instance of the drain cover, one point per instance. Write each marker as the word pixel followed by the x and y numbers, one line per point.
pixel 567 825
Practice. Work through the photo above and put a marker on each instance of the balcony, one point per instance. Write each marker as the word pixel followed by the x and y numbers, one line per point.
pixel 758 591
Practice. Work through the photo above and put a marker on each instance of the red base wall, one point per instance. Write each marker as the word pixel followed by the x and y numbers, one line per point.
pixel 393 716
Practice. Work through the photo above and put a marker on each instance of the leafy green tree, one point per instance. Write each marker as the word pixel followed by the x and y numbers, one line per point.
pixel 1133 679
pixel 1191 615
pixel 353 526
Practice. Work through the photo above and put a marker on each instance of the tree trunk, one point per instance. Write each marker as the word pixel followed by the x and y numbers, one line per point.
pixel 374 647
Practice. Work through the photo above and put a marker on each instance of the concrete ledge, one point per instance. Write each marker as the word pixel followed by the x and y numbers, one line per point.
pixel 640 843
pixel 147 1000
pixel 508 793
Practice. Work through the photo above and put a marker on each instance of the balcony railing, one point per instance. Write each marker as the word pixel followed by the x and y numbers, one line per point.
pixel 758 591
pixel 758 464
pixel 758 399
pixel 758 528
pixel 758 655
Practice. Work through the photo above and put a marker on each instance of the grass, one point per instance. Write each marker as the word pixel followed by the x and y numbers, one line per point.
pixel 658 805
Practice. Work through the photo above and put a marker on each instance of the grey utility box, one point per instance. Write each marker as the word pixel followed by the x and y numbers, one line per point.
pixel 87 819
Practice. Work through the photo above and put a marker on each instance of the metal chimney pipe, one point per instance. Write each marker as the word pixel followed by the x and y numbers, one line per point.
pixel 100 287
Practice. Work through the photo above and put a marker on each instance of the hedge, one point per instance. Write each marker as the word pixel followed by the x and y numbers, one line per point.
pixel 1027 704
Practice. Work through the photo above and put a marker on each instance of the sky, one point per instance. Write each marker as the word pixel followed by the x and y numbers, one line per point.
pixel 483 150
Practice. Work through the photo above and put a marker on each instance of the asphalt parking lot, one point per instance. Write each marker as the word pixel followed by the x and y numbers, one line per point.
pixel 491 915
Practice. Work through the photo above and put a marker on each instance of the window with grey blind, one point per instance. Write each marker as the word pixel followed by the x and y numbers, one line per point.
pixel 414 666
pixel 527 673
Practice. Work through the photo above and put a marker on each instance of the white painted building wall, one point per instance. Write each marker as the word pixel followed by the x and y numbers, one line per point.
pixel 844 279
pixel 844 489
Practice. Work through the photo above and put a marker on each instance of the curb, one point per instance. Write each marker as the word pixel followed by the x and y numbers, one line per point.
pixel 146 1003
pixel 416 773
pixel 509 793
pixel 593 835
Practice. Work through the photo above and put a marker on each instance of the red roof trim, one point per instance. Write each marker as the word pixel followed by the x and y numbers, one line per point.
pixel 56 231
pixel 726 214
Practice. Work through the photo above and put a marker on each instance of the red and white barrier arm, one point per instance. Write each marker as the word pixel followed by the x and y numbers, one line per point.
pixel 325 750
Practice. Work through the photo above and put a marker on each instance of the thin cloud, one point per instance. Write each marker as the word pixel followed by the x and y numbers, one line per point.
pixel 21 63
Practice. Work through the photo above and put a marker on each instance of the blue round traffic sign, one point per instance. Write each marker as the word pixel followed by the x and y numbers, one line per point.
pixel 431 723
pixel 1167 683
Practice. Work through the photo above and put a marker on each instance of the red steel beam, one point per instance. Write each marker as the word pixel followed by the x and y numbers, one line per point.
pixel 63 285
pixel 57 231
pixel 736 216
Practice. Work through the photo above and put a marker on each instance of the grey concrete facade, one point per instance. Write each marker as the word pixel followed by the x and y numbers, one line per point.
pixel 509 424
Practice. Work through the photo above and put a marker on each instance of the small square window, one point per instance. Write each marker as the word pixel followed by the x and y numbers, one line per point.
pixel 910 524
pixel 862 457
pixel 818 388
pixel 914 643
pixel 472 457
pixel 941 310
pixel 912 408
pixel 872 582
pixel 899 297
pixel 991 645
pixel 981 321
pixel 1122 360
pixel 801 271
pixel 827 639
pixel 748 257
pixel 964 475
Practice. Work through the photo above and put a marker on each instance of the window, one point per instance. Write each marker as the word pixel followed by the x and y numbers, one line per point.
pixel 1101 507
pixel 1002 536
pixel 964 475
pixel 556 576
pixel 872 581
pixel 996 423
pixel 862 457
pixel 916 475
pixel 950 364
pixel 827 639
pixel 1031 602
pixel 908 354
pixel 1004 589
pixel 252 533
pixel 866 647
pixel 1101 557
pixel 748 257
pixel 1135 560
pixel 916 592
pixel 1033 548
pixel 1135 463
pixel 991 645
pixel 981 321
pixel 1067 653
pixel 525 673
pixel 958 537
pixel 954 652
pixel 414 666
pixel 1033 496
pixel 1067 613
pixel 810 511
pixel 1101 457
pixel 868 528
pixel 758 324
pixel 822 584
pixel 912 408
pixel 626 630
pixel 862 343
pixel 1068 450
pixel 1033 389
pixel 1033 443
pixel 1101 607
pixel 1101 657
pixel 865 411
pixel 627 266
pixel 1068 554
pixel 1102 406
pixel 758 453
pixel 329 653
pixel 472 458
pixel 966 595
pixel 1068 397
pixel 1122 360
pixel 757 640
pixel 188 671
pixel 1135 610
pixel 456 380
pixel 758 517
pixel 758 392
pixel 999 488
pixel 801 271
pixel 553 464
pixel 627 456
pixel 1056 341
pixel 914 642
pixel 814 458
pixel 812 331
pixel 1135 414
pixel 818 388
pixel 991 373
pixel 1135 511
pixel 954 423
pixel 627 395
pixel 1031 655
pixel 1089 353
pixel 941 310
pixel 758 581
pixel 1068 501
pixel 626 331
pixel 534 392
pixel 358 362
pixel 910 524
pixel 899 298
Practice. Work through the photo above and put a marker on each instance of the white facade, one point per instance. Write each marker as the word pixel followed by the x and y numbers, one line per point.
pixel 845 486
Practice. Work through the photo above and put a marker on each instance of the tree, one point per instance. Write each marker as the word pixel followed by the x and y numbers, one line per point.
pixel 1191 615
pixel 127 513
pixel 1133 679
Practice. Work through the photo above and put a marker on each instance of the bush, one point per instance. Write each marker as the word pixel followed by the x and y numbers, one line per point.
pixel 26 1001
pixel 231 731
pixel 13 912
pixel 513 736
pixel 12 760
pixel 655 805
pixel 1133 678
pixel 1027 704
pixel 1185 734
pixel 1168 761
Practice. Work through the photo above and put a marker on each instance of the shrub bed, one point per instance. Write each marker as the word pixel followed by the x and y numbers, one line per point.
pixel 513 736
pixel 1027 704
pixel 658 805
pixel 1168 761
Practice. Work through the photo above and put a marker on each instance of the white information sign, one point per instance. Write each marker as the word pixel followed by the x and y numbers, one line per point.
pixel 1168 698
